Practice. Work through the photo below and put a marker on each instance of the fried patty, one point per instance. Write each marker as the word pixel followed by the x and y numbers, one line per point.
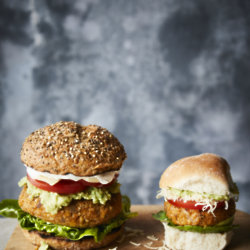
pixel 79 213
pixel 195 217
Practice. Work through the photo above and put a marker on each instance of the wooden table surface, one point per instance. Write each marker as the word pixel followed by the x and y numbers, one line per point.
pixel 143 231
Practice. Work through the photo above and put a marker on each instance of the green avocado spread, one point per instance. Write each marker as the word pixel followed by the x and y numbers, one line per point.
pixel 52 202
pixel 174 193
pixel 184 193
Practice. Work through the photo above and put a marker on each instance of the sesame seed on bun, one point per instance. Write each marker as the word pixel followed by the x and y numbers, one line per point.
pixel 70 148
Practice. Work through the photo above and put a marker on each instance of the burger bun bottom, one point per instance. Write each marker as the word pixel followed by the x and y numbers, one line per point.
pixel 181 240
pixel 36 237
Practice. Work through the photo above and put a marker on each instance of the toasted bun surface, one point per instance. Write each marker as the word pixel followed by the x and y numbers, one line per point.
pixel 68 147
pixel 59 243
pixel 208 173
pixel 181 240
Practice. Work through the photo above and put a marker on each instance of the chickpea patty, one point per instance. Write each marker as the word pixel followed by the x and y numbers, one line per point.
pixel 79 213
pixel 195 217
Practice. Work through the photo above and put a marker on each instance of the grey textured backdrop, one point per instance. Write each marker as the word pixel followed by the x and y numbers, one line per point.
pixel 169 78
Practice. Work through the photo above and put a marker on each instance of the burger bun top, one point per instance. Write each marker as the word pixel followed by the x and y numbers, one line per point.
pixel 207 173
pixel 70 148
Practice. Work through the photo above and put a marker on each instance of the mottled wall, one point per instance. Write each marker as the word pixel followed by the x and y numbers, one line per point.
pixel 169 78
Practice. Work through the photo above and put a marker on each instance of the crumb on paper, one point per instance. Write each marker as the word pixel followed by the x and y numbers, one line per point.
pixel 133 232
pixel 135 244
pixel 152 237
pixel 149 243
pixel 150 247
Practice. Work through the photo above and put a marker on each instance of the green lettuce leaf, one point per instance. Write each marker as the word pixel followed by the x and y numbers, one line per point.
pixel 223 226
pixel 10 208
pixel 161 216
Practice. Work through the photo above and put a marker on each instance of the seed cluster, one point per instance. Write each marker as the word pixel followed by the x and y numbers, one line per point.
pixel 74 144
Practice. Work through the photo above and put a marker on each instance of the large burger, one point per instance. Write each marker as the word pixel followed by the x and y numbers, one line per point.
pixel 199 205
pixel 70 198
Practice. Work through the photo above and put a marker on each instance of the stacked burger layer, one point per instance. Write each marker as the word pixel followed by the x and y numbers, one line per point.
pixel 199 203
pixel 70 198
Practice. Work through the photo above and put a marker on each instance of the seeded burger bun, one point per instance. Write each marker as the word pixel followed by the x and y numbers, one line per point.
pixel 52 211
pixel 68 147
pixel 199 203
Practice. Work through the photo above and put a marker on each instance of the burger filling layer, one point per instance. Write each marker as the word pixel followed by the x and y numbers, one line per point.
pixel 72 207
pixel 198 212
pixel 53 201
pixel 10 208
pixel 79 213
pixel 208 202
pixel 196 217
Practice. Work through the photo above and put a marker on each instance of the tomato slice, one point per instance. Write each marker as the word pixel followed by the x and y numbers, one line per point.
pixel 61 187
pixel 66 186
pixel 191 204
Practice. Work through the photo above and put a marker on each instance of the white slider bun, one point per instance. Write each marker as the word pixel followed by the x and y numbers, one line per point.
pixel 207 173
pixel 180 240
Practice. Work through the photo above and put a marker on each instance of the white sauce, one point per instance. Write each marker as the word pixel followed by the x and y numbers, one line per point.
pixel 52 179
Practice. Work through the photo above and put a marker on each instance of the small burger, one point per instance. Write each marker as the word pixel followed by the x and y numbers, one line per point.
pixel 71 197
pixel 199 203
